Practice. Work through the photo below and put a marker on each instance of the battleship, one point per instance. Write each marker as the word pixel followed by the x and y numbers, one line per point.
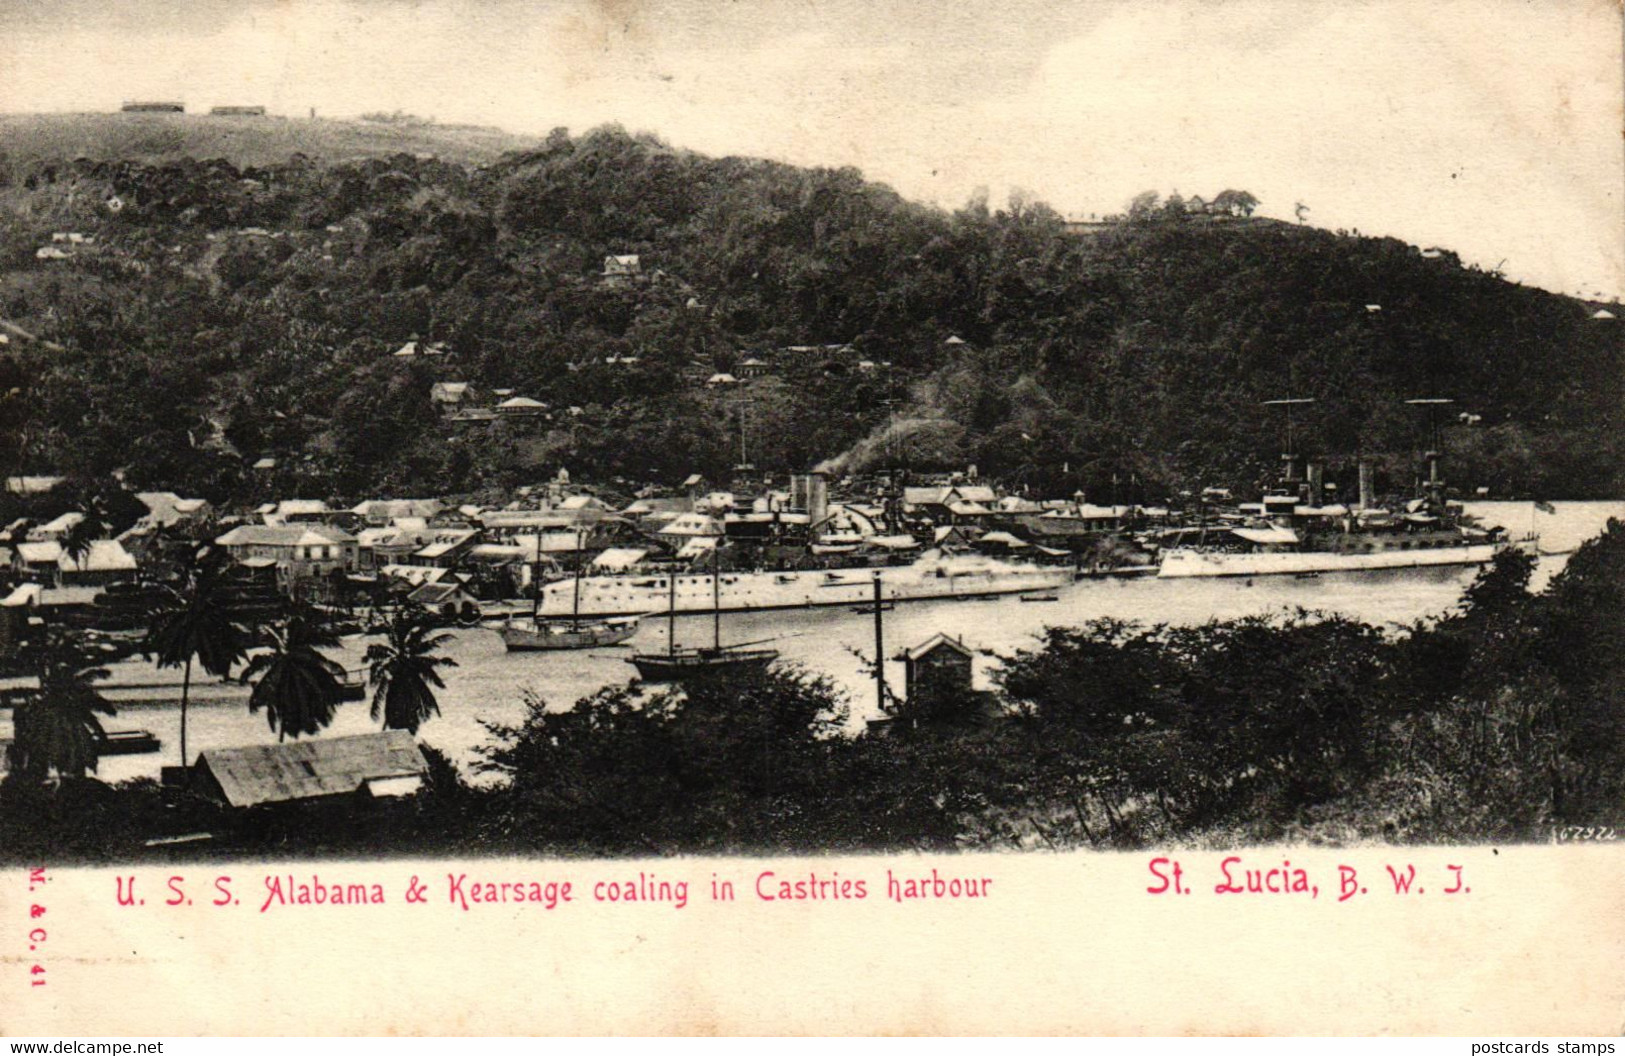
pixel 935 575
pixel 1296 531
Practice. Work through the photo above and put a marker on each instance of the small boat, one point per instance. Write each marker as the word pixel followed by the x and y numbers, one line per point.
pixel 127 742
pixel 1040 597
pixel 677 665
pixel 354 685
pixel 869 610
pixel 538 635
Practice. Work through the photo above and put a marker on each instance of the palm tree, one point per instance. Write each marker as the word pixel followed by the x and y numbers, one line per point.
pixel 56 727
pixel 196 622
pixel 402 670
pixel 93 524
pixel 298 687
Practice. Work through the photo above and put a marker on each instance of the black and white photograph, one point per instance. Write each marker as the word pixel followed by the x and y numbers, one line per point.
pixel 616 435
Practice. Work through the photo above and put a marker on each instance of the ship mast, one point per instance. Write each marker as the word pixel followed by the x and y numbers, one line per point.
pixel 671 614
pixel 575 608
pixel 1434 483
pixel 536 583
pixel 716 600
pixel 1290 455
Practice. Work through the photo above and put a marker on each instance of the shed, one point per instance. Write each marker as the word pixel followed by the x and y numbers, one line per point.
pixel 370 764
pixel 447 598
pixel 939 663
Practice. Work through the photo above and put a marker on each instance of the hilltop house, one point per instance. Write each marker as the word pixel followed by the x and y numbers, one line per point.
pixel 521 407
pixel 622 270
pixel 448 395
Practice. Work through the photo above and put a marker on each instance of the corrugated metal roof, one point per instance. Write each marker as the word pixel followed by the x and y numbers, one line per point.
pixel 277 773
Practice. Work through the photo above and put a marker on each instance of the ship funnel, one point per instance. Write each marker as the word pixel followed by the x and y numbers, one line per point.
pixel 817 497
pixel 809 494
pixel 1368 489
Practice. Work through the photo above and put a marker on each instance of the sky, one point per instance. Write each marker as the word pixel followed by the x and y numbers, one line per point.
pixel 1490 127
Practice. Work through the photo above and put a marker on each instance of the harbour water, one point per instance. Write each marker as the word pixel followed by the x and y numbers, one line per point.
pixel 492 685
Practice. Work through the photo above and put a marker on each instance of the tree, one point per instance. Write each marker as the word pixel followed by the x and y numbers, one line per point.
pixel 1235 203
pixel 298 687
pixel 1143 206
pixel 56 727
pixel 94 523
pixel 402 669
pixel 195 622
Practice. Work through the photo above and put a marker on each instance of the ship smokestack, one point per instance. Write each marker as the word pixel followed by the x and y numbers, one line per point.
pixel 817 497
pixel 809 494
pixel 1367 486
pixel 1317 480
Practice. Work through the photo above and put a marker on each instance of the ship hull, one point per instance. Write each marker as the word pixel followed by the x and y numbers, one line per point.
pixel 1192 564
pixel 758 591
pixel 676 667
pixel 530 638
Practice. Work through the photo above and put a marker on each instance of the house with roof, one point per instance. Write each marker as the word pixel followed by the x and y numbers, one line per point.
pixel 621 270
pixel 380 512
pixel 32 485
pixel 56 529
pixel 449 599
pixel 394 545
pixel 299 552
pixel 446 547
pixel 105 562
pixel 692 525
pixel 951 503
pixel 36 562
pixel 939 689
pixel 295 511
pixel 165 509
pixel 410 577
pixel 448 396
pixel 364 766
pixel 521 407
pixel 417 348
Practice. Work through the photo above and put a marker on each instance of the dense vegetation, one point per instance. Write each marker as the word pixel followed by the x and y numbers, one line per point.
pixel 224 314
pixel 1497 722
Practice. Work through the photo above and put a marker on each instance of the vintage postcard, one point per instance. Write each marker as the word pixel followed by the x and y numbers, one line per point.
pixel 817 517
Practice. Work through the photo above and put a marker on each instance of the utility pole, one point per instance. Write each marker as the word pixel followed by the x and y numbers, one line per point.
pixel 880 651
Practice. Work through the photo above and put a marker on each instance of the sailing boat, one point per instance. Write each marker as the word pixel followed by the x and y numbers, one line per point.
pixel 675 665
pixel 536 634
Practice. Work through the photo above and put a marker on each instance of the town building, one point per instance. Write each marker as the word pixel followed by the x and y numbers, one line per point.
pixel 300 553
pixel 368 766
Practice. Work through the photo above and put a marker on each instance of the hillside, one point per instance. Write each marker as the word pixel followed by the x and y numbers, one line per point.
pixel 231 311
pixel 155 138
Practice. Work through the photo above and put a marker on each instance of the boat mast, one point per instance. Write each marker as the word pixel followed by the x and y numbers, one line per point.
pixel 716 600
pixel 671 614
pixel 575 607
pixel 536 584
